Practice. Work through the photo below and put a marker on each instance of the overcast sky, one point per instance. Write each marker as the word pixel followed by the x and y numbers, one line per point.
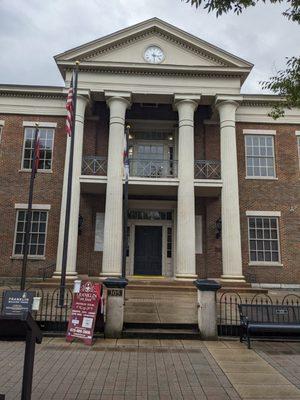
pixel 33 31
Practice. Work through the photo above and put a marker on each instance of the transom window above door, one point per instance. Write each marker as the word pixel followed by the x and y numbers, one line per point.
pixel 150 151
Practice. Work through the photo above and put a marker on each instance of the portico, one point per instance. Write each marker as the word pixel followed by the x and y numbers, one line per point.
pixel 173 179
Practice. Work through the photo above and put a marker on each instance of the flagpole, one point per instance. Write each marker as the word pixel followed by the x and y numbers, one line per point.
pixel 69 192
pixel 29 212
pixel 125 210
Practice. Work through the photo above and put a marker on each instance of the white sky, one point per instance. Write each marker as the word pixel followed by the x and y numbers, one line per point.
pixel 33 31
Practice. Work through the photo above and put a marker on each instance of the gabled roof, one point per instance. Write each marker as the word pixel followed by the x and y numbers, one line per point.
pixel 112 48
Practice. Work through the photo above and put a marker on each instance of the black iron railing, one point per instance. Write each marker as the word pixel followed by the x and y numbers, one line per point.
pixel 153 168
pixel 207 169
pixel 228 312
pixel 94 165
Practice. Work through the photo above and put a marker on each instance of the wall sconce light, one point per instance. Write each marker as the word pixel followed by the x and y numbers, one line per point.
pixel 219 228
pixel 80 223
pixel 170 137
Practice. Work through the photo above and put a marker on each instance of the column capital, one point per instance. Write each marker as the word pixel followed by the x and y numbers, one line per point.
pixel 113 96
pixel 188 99
pixel 222 100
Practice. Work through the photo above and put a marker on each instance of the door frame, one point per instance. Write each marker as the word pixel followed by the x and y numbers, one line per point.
pixel 167 263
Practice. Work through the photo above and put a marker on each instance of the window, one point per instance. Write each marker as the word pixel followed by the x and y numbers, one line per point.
pixel 260 160
pixel 169 242
pixel 46 146
pixel 150 214
pixel 263 239
pixel 37 236
pixel 1 130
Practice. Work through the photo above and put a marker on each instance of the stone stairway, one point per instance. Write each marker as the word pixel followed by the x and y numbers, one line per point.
pixel 161 312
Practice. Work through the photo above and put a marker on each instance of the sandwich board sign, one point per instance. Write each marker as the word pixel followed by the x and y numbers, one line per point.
pixel 84 311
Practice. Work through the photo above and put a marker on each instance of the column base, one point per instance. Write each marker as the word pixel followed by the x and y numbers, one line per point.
pixel 69 275
pixel 186 276
pixel 233 278
pixel 110 274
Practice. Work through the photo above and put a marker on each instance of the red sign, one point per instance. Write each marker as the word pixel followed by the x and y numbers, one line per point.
pixel 84 311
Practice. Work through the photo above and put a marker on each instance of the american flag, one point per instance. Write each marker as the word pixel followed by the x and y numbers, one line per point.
pixel 126 159
pixel 37 150
pixel 70 108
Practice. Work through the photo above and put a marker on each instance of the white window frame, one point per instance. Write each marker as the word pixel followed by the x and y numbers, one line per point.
pixel 31 124
pixel 262 214
pixel 298 145
pixel 1 129
pixel 260 132
pixel 35 207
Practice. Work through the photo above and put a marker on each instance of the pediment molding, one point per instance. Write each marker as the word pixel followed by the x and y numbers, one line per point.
pixel 154 31
pixel 98 49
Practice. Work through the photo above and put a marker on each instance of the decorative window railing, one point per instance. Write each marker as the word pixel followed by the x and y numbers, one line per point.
pixel 153 168
pixel 94 165
pixel 207 169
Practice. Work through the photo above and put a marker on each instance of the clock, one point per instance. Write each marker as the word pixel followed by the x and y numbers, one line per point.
pixel 154 55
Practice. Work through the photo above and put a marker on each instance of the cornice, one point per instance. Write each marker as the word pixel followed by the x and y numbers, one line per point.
pixel 167 70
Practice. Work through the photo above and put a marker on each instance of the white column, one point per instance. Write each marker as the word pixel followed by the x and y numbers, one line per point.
pixel 185 257
pixel 231 232
pixel 75 197
pixel 112 246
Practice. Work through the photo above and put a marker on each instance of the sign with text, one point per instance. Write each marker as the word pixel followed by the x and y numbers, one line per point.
pixel 17 302
pixel 84 311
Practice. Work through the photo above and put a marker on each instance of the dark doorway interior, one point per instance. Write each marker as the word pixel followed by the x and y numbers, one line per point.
pixel 148 250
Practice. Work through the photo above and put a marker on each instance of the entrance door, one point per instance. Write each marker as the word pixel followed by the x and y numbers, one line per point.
pixel 148 250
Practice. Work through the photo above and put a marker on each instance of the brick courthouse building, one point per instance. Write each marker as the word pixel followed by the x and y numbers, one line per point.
pixel 200 153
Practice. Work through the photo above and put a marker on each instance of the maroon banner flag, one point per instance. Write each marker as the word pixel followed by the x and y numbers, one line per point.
pixel 84 311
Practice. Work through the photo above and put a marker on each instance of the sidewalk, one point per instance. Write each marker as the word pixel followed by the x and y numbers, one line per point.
pixel 154 369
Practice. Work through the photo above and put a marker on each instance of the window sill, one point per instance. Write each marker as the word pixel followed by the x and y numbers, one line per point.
pixel 16 257
pixel 43 171
pixel 264 264
pixel 262 178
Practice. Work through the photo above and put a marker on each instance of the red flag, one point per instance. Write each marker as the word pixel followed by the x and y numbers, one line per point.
pixel 70 109
pixel 37 150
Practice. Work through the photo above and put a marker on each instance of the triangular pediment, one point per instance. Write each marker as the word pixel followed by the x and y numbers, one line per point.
pixel 128 46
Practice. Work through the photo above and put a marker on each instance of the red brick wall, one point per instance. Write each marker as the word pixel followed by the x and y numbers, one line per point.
pixel 14 186
pixel 89 261
pixel 274 195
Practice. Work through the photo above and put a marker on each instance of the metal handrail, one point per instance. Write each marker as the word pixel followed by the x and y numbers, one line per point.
pixel 147 168
pixel 94 165
pixel 207 169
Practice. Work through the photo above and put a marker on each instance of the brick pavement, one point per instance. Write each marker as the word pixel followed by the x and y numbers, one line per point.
pixel 153 369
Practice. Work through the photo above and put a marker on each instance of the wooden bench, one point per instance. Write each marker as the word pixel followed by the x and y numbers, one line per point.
pixel 268 319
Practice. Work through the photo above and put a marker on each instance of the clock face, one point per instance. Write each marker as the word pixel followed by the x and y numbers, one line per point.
pixel 154 55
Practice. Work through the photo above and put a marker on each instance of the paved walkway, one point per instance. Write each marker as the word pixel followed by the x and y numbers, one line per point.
pixel 154 369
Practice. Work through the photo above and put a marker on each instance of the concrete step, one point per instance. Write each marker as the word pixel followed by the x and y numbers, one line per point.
pixel 161 331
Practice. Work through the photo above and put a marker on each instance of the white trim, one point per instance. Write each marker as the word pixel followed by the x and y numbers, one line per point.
pixel 2 122
pixel 24 206
pixel 30 256
pixel 276 285
pixel 264 264
pixel 246 156
pixel 259 132
pixel 297 133
pixel 31 124
pixel 268 178
pixel 198 234
pixel 23 150
pixel 263 213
